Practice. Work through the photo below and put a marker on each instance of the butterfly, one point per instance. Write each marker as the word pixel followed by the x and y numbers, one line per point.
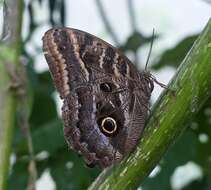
pixel 105 98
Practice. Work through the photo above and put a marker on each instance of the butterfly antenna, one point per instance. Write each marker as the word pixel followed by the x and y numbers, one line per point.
pixel 150 49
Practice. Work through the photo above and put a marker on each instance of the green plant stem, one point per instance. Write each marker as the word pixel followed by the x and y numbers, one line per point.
pixel 9 56
pixel 171 115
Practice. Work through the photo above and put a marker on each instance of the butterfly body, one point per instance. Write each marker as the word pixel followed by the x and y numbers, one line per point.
pixel 105 98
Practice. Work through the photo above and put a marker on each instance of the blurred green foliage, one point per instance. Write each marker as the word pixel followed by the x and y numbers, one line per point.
pixel 173 57
pixel 65 167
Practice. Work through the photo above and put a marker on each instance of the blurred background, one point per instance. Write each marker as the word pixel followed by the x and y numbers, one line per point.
pixel 128 25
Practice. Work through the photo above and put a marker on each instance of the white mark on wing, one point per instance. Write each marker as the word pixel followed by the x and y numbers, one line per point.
pixel 128 71
pixel 101 58
pixel 112 104
pixel 76 52
pixel 116 71
pixel 45 53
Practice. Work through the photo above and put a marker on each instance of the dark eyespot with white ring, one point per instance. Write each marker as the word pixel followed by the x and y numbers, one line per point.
pixel 106 87
pixel 108 126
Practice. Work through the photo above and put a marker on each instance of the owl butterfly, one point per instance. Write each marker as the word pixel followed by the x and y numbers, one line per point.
pixel 105 98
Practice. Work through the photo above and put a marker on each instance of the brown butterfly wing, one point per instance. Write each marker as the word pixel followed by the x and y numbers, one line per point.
pixel 101 89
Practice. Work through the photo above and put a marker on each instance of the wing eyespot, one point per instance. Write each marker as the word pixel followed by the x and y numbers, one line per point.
pixel 106 87
pixel 108 126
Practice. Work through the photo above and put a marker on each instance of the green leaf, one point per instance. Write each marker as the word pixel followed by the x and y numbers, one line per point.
pixel 202 129
pixel 44 107
pixel 19 175
pixel 48 137
pixel 135 41
pixel 200 184
pixel 174 56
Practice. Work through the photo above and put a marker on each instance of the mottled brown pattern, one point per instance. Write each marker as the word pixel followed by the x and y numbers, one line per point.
pixel 96 81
